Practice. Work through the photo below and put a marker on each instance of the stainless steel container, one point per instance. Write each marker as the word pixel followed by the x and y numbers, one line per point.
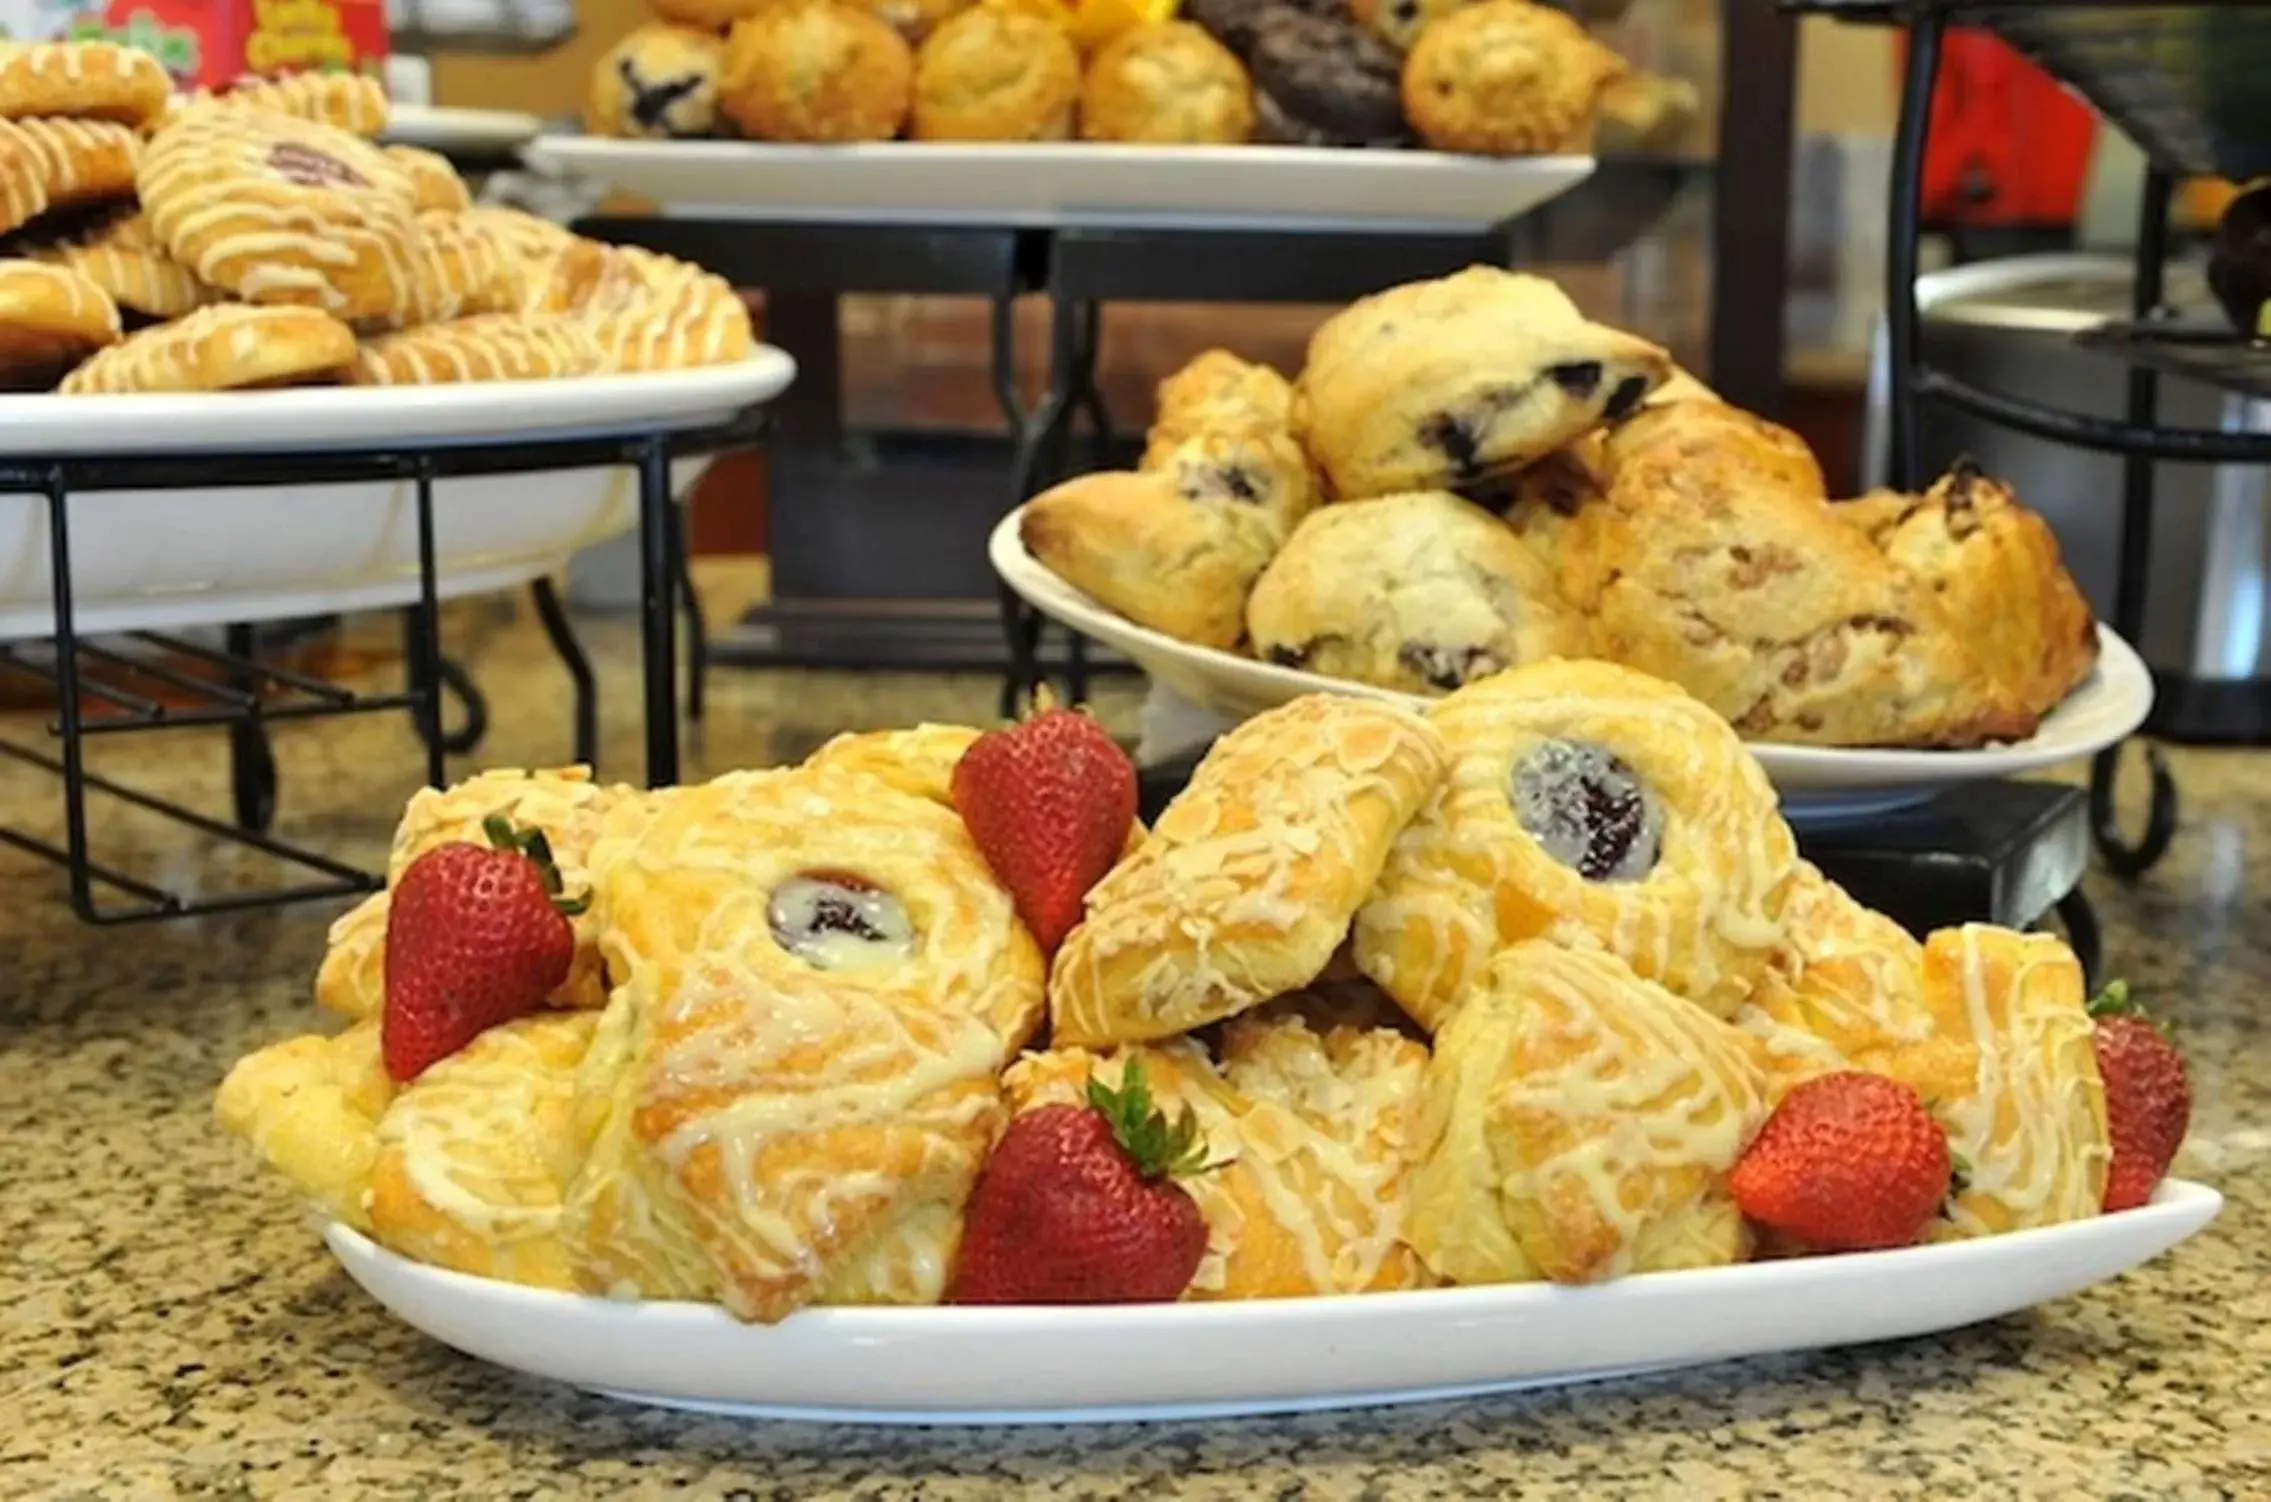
pixel 2008 326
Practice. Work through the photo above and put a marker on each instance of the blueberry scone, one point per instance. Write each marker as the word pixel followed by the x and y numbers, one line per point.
pixel 1421 592
pixel 1458 382
pixel 659 81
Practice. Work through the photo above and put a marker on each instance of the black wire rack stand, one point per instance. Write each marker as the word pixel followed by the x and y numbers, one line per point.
pixel 104 687
pixel 2175 79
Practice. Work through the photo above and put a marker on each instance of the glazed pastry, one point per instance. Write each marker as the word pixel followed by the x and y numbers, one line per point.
pixel 310 1107
pixel 1505 77
pixel 227 347
pixel 281 210
pixel 457 269
pixel 919 762
pixel 566 805
pixel 1399 22
pixel 1322 80
pixel 474 1157
pixel 1714 562
pixel 123 258
pixel 433 181
pixel 352 102
pixel 996 74
pixel 1588 805
pixel 797 1081
pixel 1170 83
pixel 1142 545
pixel 697 320
pixel 59 164
pixel 2032 1125
pixel 1995 567
pixel 82 80
pixel 1217 393
pixel 486 347
pixel 816 70
pixel 523 234
pixel 659 82
pixel 1312 1134
pixel 1421 593
pixel 1246 885
pixel 1449 383
pixel 1579 1124
pixel 51 318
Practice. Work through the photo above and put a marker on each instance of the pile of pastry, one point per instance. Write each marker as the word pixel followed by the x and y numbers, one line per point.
pixel 258 238
pixel 1470 475
pixel 1533 987
pixel 1502 77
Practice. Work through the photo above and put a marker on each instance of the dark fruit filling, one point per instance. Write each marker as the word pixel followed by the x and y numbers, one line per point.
pixel 1447 667
pixel 1625 400
pixel 839 922
pixel 651 102
pixel 1456 438
pixel 1580 378
pixel 1290 657
pixel 1588 810
pixel 311 168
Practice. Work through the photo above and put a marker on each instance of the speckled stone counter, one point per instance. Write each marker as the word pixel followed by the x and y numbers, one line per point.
pixel 170 1326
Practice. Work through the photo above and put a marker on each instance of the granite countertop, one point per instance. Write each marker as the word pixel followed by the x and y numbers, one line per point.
pixel 171 1327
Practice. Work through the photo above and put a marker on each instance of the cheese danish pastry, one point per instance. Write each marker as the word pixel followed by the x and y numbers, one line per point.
pixel 798 1080
pixel 1579 1124
pixel 1587 804
pixel 1246 885
pixel 310 1106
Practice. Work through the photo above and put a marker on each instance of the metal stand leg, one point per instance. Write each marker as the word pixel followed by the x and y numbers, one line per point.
pixel 562 635
pixel 658 578
pixel 2081 921
pixel 67 702
pixel 1906 191
pixel 697 629
pixel 425 656
pixel 252 761
pixel 1040 443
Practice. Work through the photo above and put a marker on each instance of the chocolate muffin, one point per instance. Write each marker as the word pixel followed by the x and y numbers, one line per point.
pixel 1324 80
pixel 1234 22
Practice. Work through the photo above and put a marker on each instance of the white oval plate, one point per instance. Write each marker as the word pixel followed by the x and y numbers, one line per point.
pixel 1817 781
pixel 445 129
pixel 1070 182
pixel 335 417
pixel 1170 1361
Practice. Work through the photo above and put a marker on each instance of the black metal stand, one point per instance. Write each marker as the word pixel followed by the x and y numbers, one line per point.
pixel 94 682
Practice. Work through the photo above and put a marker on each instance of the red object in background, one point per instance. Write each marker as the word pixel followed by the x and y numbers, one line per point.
pixel 2008 145
pixel 212 43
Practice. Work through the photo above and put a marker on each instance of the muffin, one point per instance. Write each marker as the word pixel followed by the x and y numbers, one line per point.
pixel 1503 78
pixel 996 74
pixel 814 70
pixel 1324 81
pixel 660 81
pixel 1167 83
pixel 1399 22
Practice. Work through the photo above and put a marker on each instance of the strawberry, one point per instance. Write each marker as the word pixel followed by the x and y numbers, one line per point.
pixel 1847 1162
pixel 1049 801
pixel 475 936
pixel 1079 1205
pixel 2148 1097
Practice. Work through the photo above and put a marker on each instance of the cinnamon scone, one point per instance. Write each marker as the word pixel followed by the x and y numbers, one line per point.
pixel 1421 592
pixel 1713 561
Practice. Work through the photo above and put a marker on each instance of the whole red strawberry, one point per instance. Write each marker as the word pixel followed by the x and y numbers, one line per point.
pixel 475 936
pixel 2148 1096
pixel 1079 1205
pixel 1847 1162
pixel 1049 801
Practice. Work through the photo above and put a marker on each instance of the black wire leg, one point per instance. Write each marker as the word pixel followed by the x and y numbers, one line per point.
pixel 658 613
pixel 2122 857
pixel 1088 349
pixel 252 760
pixel 562 634
pixel 697 629
pixel 1040 442
pixel 2082 936
pixel 1904 346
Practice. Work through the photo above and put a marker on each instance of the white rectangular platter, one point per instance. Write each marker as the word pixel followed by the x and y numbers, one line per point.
pixel 1069 183
pixel 1099 1363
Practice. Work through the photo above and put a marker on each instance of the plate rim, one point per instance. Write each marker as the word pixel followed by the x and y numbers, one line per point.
pixel 2119 670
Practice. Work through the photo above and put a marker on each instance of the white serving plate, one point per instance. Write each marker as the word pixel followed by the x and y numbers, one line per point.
pixel 335 417
pixel 1816 782
pixel 1176 1361
pixel 1068 182
pixel 443 129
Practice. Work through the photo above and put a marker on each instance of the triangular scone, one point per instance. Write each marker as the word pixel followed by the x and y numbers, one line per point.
pixel 1449 384
pixel 565 804
pixel 310 1107
pixel 1713 561
pixel 1589 804
pixel 1311 1133
pixel 475 1155
pixel 823 981
pixel 1996 569
pixel 1216 393
pixel 1246 884
pixel 2032 1123
pixel 1579 1124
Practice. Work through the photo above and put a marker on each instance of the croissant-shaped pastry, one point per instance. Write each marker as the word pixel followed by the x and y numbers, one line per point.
pixel 1247 882
pixel 1589 804
pixel 1419 592
pixel 798 1079
pixel 1713 561
pixel 565 804
pixel 1579 1124
pixel 1995 567
pixel 1311 1135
